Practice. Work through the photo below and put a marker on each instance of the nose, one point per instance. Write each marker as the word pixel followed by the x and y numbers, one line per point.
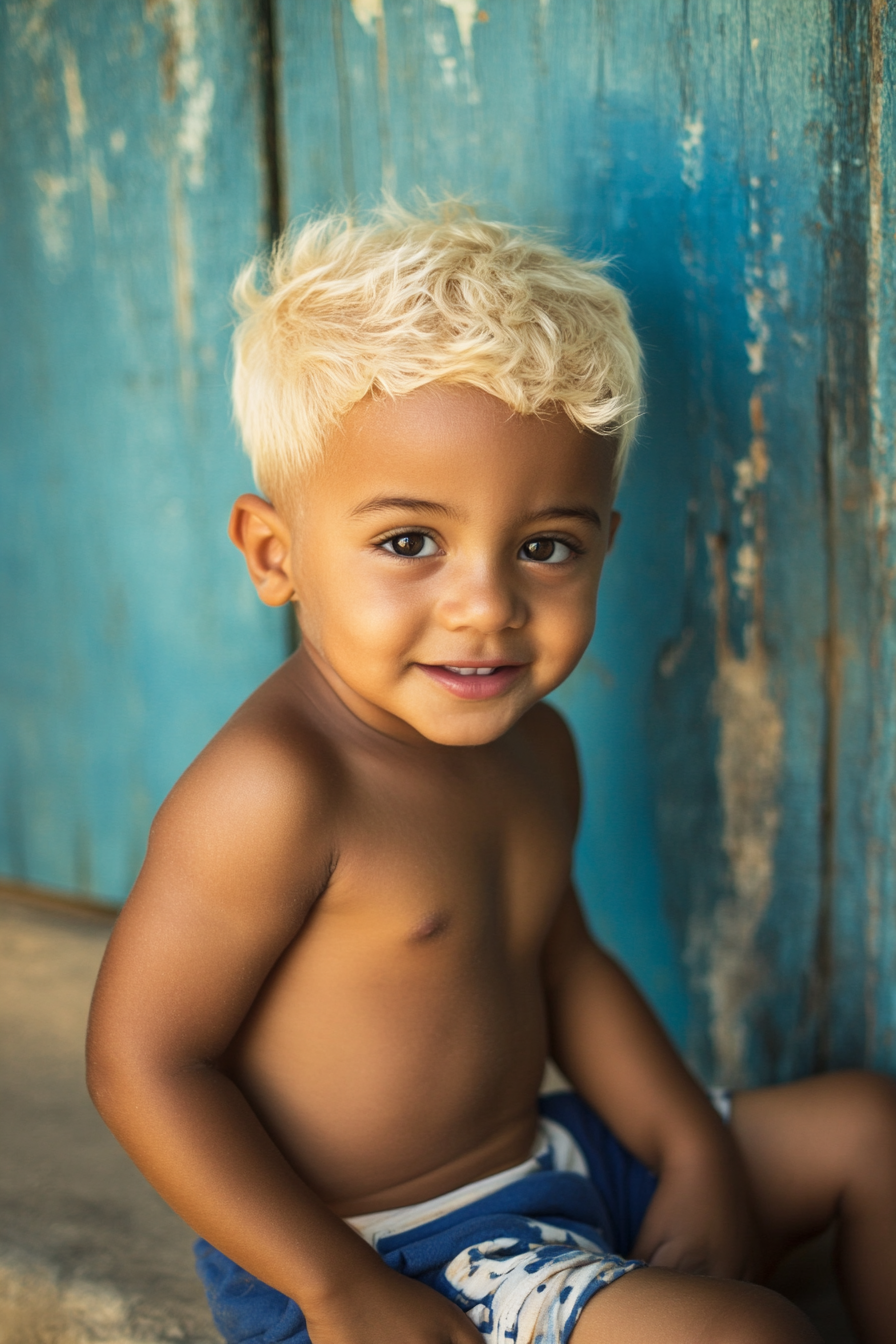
pixel 480 595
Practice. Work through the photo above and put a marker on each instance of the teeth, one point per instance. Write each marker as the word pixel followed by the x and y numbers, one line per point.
pixel 471 671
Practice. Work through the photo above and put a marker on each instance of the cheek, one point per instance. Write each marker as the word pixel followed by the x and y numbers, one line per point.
pixel 567 618
pixel 362 605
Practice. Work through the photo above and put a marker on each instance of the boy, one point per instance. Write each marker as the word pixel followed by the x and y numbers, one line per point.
pixel 325 1011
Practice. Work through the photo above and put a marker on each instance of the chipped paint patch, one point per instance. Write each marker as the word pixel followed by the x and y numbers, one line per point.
pixel 875 254
pixel 766 281
pixel 195 126
pixel 465 14
pixel 183 73
pixel 748 768
pixel 755 349
pixel 691 144
pixel 750 472
pixel 368 13
pixel 749 763
pixel 74 100
pixel 100 195
pixel 53 217
pixel 29 30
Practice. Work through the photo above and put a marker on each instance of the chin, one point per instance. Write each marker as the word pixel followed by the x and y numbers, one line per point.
pixel 471 730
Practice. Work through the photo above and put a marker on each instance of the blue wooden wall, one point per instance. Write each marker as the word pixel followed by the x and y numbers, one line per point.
pixel 737 711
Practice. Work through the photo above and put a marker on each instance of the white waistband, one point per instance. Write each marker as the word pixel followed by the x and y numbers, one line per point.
pixel 552 1142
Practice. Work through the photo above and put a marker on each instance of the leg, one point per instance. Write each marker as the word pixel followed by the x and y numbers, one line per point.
pixel 825 1149
pixel 652 1305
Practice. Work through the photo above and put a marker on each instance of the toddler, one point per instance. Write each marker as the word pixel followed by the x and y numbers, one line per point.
pixel 322 1024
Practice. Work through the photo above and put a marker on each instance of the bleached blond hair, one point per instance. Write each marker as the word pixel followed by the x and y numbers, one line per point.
pixel 397 300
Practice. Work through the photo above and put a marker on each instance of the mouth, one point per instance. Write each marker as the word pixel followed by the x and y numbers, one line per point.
pixel 474 680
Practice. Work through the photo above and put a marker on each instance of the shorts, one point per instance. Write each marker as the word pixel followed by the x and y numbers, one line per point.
pixel 520 1252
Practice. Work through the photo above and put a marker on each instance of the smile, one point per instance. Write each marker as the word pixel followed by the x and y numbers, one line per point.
pixel 472 671
pixel 471 682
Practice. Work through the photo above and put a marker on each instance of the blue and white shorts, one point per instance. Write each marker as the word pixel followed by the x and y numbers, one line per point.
pixel 520 1252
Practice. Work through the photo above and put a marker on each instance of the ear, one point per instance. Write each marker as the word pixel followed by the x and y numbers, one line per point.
pixel 615 520
pixel 257 529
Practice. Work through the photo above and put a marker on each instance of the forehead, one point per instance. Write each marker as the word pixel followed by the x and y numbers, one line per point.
pixel 462 439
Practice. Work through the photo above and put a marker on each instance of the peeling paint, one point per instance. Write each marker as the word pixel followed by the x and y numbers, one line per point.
pixel 755 349
pixel 875 252
pixel 183 72
pixel 883 491
pixel 194 130
pixel 745 570
pixel 748 768
pixel 465 15
pixel 691 144
pixel 368 13
pixel 100 195
pixel 766 280
pixel 29 27
pixel 74 101
pixel 53 218
pixel 750 472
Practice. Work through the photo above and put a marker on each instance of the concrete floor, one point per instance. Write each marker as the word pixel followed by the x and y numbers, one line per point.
pixel 88 1250
pixel 89 1254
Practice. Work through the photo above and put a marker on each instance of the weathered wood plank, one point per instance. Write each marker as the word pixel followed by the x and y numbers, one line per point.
pixel 880 986
pixel 132 189
pixel 737 711
pixel 692 142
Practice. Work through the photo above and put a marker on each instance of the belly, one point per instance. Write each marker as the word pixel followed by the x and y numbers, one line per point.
pixel 389 1079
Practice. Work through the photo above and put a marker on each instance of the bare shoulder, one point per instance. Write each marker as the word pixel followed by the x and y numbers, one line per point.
pixel 261 798
pixel 238 855
pixel 549 735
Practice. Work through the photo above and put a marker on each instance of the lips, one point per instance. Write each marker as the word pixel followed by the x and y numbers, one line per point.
pixel 471 682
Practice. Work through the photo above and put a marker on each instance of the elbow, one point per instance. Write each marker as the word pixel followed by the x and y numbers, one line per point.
pixel 105 1075
pixel 114 1072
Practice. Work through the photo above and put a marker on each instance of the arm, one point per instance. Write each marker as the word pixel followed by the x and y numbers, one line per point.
pixel 615 1053
pixel 237 857
pixel 610 1045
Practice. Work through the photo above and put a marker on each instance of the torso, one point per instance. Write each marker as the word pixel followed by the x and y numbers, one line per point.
pixel 396 1048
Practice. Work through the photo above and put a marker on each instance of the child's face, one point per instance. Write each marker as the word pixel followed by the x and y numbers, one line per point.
pixel 445 535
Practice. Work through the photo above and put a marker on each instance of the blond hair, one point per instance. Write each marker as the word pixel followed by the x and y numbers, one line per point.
pixel 400 300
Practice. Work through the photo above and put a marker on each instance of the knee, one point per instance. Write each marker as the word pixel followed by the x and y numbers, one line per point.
pixel 863 1120
pixel 764 1317
pixel 760 1316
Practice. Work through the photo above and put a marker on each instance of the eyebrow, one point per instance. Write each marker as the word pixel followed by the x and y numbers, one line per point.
pixel 381 503
pixel 582 511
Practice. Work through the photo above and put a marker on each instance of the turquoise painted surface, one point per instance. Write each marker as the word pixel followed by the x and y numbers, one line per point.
pixel 131 189
pixel 736 712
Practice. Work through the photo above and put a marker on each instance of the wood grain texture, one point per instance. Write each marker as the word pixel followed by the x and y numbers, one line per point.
pixel 132 190
pixel 737 710
pixel 735 733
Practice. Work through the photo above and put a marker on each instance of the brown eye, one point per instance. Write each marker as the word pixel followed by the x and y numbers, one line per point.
pixel 411 544
pixel 545 550
pixel 541 548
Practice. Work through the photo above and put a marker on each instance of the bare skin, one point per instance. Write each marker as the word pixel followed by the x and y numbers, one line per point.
pixel 354 939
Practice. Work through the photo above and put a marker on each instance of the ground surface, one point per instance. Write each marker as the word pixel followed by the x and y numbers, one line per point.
pixel 88 1251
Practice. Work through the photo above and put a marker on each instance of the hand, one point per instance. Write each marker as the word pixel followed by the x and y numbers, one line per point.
pixel 700 1221
pixel 384 1307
